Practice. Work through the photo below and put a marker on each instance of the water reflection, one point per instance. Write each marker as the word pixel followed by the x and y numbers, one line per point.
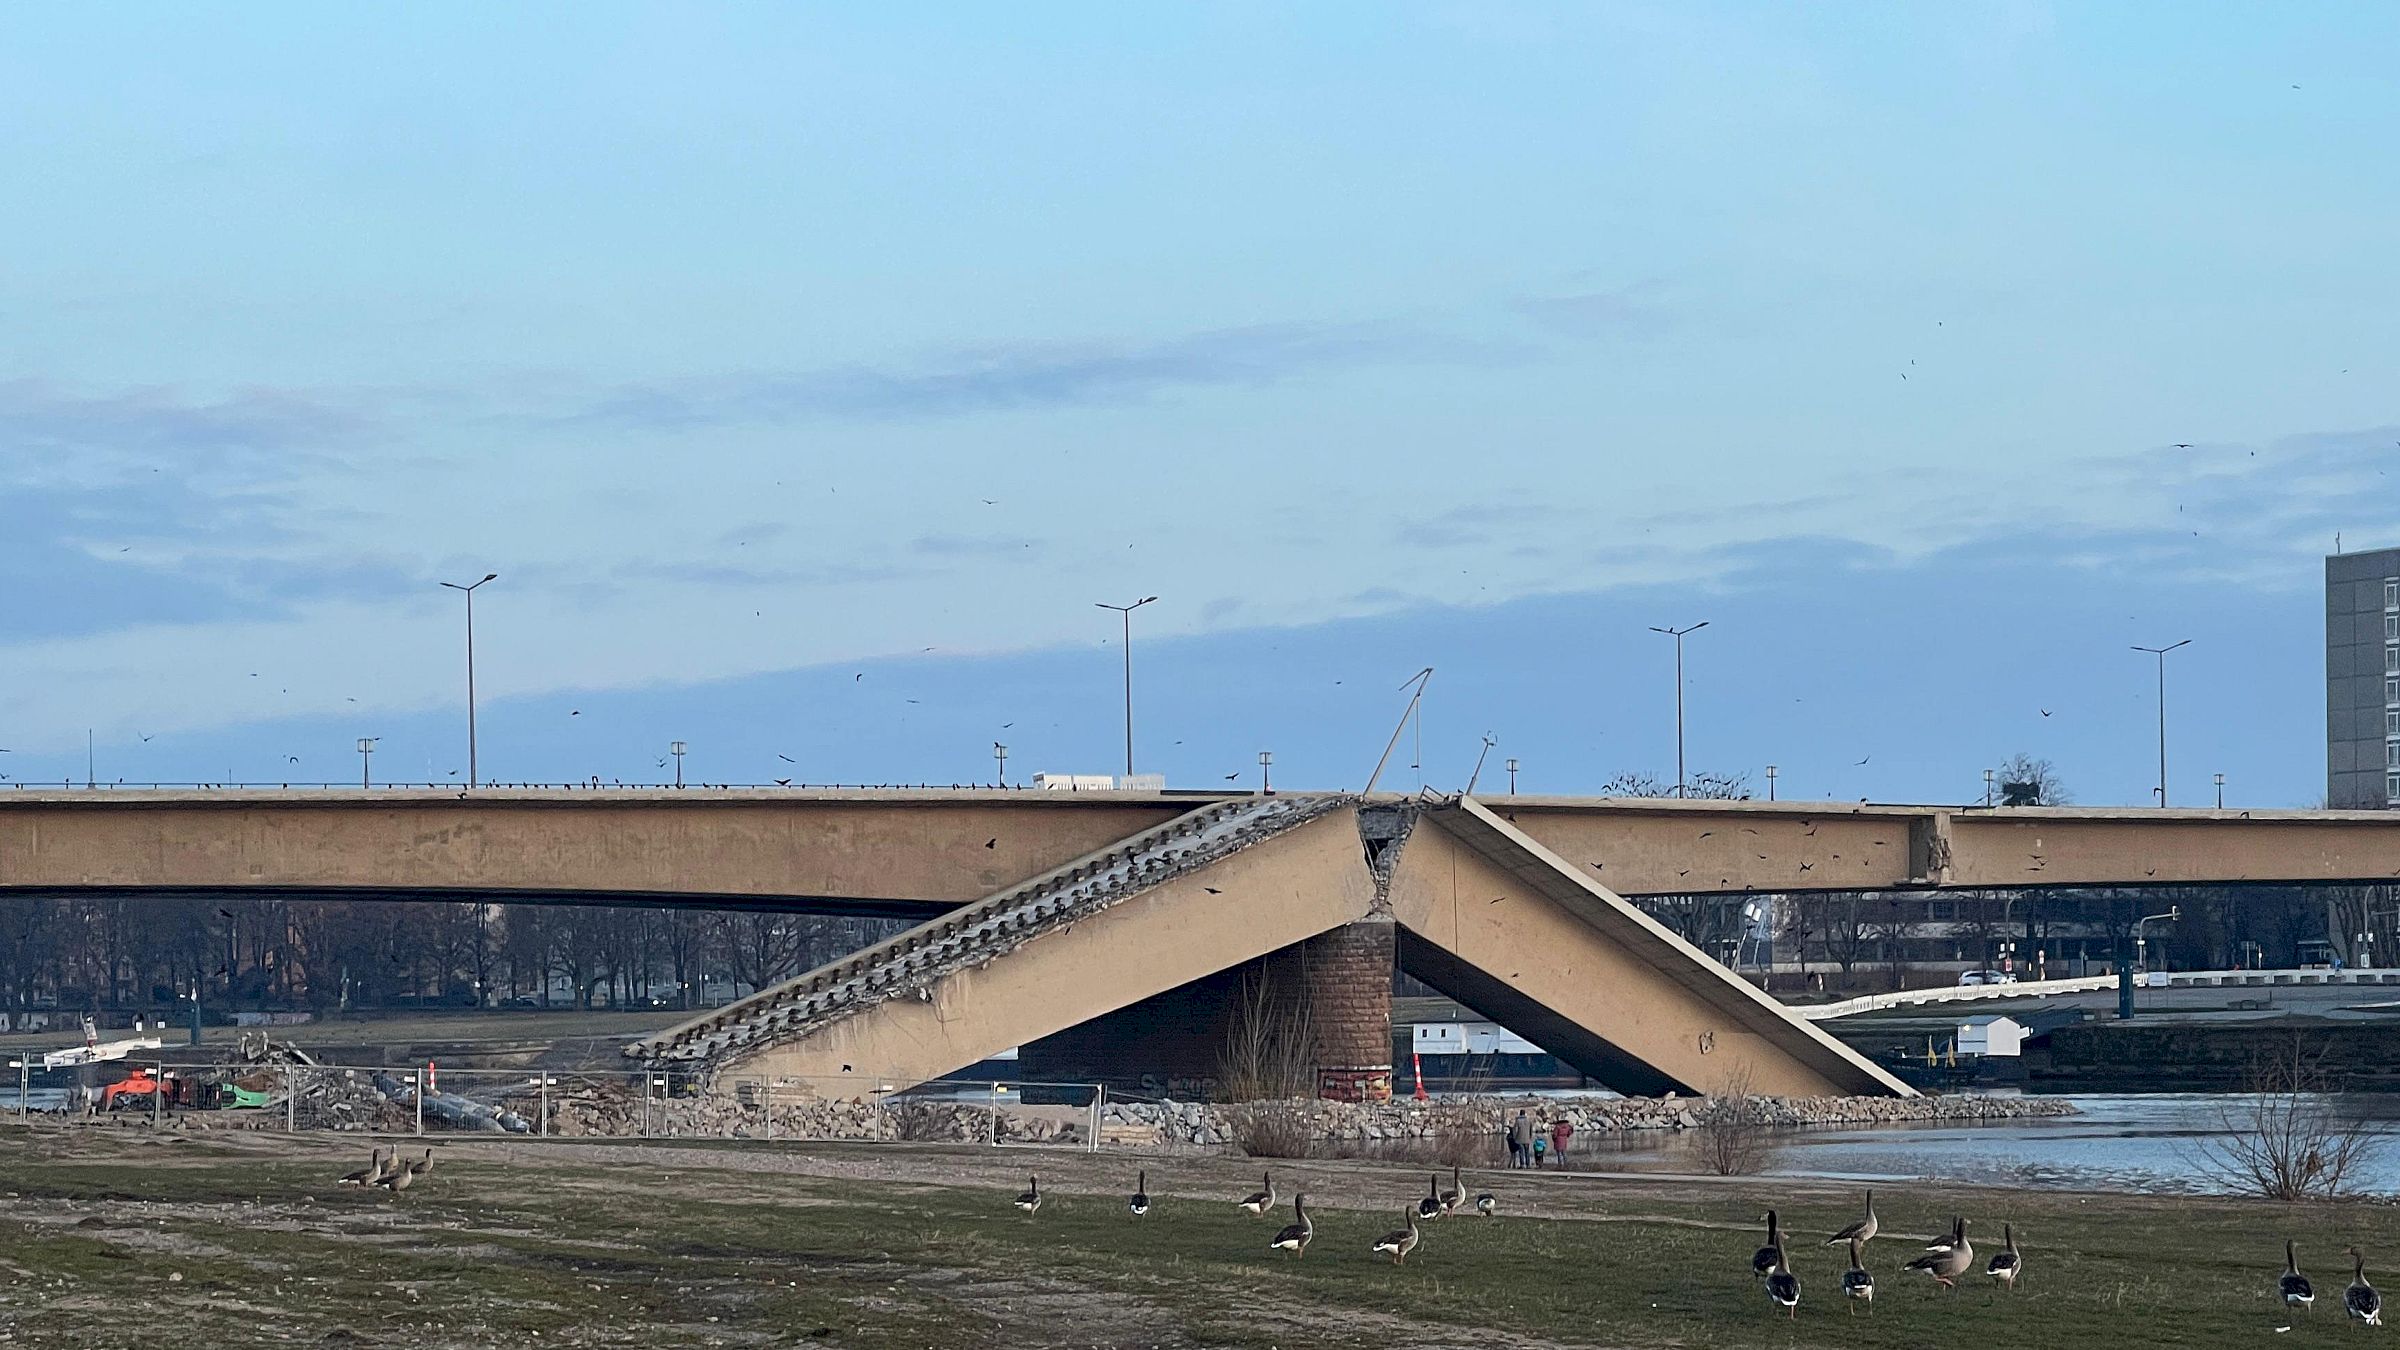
pixel 2148 1144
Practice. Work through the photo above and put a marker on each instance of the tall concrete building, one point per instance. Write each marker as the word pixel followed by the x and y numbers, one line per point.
pixel 2362 679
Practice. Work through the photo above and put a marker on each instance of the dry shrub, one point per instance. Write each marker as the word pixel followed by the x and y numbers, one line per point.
pixel 1272 1129
pixel 2283 1139
pixel 1731 1136
pixel 1270 1050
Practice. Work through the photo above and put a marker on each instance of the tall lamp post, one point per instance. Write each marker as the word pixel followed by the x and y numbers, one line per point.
pixel 2161 654
pixel 1266 759
pixel 2220 792
pixel 469 592
pixel 1125 612
pixel 1512 777
pixel 366 747
pixel 2125 958
pixel 675 748
pixel 1771 771
pixel 1678 635
pixel 1000 752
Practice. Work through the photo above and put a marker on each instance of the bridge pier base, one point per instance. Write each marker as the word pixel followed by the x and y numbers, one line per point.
pixel 1345 976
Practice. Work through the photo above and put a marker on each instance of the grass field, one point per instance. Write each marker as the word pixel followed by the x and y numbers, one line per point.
pixel 119 1238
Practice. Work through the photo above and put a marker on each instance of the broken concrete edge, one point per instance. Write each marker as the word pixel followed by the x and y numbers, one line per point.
pixel 1281 812
pixel 1766 1015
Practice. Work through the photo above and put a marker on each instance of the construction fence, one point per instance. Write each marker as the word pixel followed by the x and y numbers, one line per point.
pixel 625 1104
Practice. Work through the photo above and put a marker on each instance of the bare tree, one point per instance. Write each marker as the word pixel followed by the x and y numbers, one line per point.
pixel 1895 922
pixel 2283 1138
pixel 2029 781
pixel 1731 1136
pixel 1845 927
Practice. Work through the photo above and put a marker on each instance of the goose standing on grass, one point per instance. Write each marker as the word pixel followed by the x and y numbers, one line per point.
pixel 2007 1263
pixel 1398 1243
pixel 395 1178
pixel 367 1175
pixel 1762 1261
pixel 420 1166
pixel 1140 1203
pixel 1295 1235
pixel 1456 1195
pixel 1862 1232
pixel 1857 1285
pixel 1262 1199
pixel 1487 1204
pixel 1430 1208
pixel 1031 1200
pixel 1783 1287
pixel 1946 1261
pixel 2360 1298
pixel 2297 1292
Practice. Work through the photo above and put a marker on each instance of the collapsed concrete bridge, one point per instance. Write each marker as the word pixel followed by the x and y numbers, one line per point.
pixel 1140 947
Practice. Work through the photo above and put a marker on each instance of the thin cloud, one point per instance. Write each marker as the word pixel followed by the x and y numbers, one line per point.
pixel 1014 376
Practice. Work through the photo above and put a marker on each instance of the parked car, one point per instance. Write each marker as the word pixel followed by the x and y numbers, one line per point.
pixel 1986 977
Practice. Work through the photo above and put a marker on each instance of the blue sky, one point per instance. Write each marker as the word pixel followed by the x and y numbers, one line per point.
pixel 791 363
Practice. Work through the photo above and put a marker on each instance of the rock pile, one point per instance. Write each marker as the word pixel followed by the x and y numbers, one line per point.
pixel 1193 1123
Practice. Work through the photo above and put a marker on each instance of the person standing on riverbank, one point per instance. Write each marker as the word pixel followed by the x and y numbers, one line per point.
pixel 1516 1141
pixel 1560 1133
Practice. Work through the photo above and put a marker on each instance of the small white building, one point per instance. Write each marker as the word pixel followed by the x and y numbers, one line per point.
pixel 1470 1038
pixel 1100 782
pixel 1991 1035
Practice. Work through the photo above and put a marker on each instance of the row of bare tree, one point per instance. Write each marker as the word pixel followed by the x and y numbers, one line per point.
pixel 127 952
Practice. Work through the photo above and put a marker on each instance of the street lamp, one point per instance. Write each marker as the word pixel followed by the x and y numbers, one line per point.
pixel 469 592
pixel 1770 782
pixel 1000 752
pixel 2125 967
pixel 366 747
pixel 2220 792
pixel 1512 777
pixel 1678 635
pixel 1987 786
pixel 2161 654
pixel 1126 612
pixel 675 748
pixel 1265 759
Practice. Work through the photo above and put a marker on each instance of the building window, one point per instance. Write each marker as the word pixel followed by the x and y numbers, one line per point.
pixel 2391 659
pixel 2391 595
pixel 2391 692
pixel 2391 723
pixel 2391 787
pixel 2391 627
pixel 2391 754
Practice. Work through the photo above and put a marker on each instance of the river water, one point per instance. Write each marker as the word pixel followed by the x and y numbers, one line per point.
pixel 2153 1143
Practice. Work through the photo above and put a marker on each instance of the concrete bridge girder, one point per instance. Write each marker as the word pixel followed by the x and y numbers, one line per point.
pixel 1234 911
pixel 1499 922
pixel 1473 904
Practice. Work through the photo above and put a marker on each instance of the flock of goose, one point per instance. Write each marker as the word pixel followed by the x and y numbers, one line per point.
pixel 390 1172
pixel 1295 1236
pixel 1946 1259
pixel 1952 1255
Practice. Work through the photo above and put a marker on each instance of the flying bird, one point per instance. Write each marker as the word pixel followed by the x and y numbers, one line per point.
pixel 1863 761
pixel 786 758
pixel 2186 445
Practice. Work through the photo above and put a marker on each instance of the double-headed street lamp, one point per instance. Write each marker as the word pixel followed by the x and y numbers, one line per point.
pixel 1678 635
pixel 675 748
pixel 2161 654
pixel 1126 613
pixel 366 747
pixel 469 592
